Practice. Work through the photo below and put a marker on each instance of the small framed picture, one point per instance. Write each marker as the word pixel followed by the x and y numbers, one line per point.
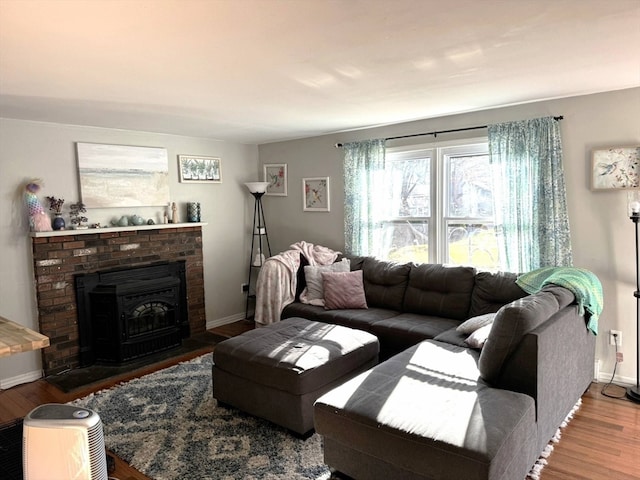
pixel 197 169
pixel 316 194
pixel 615 168
pixel 276 175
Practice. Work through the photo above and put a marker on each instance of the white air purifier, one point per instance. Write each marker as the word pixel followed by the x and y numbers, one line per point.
pixel 63 442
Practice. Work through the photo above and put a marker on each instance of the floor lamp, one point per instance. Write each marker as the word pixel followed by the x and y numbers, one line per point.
pixel 633 393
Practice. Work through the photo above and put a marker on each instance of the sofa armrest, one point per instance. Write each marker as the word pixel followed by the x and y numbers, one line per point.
pixel 553 364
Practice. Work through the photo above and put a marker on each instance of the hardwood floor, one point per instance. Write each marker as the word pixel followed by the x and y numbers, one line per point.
pixel 601 442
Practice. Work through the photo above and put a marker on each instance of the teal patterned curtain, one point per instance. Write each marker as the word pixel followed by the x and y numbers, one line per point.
pixel 530 195
pixel 363 177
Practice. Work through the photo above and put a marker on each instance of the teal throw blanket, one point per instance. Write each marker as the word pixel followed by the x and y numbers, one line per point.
pixel 584 285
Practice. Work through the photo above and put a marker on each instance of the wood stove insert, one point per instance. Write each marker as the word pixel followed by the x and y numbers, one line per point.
pixel 129 313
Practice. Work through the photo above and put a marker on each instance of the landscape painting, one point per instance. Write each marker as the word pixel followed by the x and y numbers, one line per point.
pixel 123 176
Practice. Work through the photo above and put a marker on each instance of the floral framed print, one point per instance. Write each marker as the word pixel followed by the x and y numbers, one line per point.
pixel 276 175
pixel 316 194
pixel 198 169
pixel 615 168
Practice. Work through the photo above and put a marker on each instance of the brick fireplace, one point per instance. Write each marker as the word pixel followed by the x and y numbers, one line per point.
pixel 60 256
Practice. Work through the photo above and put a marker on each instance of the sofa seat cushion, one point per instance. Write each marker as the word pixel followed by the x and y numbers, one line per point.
pixel 426 412
pixel 439 290
pixel 303 310
pixel 356 318
pixel 407 329
pixel 452 336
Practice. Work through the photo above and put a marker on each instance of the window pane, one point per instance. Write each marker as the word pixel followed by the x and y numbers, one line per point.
pixel 470 189
pixel 408 190
pixel 473 244
pixel 406 241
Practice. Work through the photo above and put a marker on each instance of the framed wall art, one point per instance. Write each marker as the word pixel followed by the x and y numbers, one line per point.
pixel 122 176
pixel 276 175
pixel 615 168
pixel 316 194
pixel 198 169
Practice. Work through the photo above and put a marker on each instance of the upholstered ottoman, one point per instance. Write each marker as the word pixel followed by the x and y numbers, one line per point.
pixel 277 372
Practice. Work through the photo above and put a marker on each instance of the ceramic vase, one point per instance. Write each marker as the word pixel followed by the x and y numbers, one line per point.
pixel 58 222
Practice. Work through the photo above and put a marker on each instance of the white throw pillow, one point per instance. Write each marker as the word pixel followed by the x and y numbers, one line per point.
pixel 477 338
pixel 474 323
pixel 313 277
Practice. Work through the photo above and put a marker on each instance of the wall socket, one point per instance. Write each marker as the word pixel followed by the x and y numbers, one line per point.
pixel 244 287
pixel 612 340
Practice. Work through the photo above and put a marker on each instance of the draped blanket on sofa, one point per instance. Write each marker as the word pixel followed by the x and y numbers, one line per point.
pixel 277 281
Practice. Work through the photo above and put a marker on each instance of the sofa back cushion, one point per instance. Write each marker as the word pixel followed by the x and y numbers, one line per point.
pixel 384 283
pixel 492 291
pixel 439 290
pixel 513 322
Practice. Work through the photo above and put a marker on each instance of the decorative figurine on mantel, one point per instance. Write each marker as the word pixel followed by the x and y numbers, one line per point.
pixel 39 221
pixel 174 213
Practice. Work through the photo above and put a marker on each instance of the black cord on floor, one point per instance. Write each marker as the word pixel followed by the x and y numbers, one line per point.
pixel 615 367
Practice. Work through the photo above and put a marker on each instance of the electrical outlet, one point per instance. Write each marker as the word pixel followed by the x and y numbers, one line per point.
pixel 613 340
pixel 244 287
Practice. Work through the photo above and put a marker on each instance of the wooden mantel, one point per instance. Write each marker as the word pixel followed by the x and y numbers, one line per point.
pixel 15 338
pixel 130 228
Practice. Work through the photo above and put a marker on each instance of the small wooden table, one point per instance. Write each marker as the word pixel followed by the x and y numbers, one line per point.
pixel 16 338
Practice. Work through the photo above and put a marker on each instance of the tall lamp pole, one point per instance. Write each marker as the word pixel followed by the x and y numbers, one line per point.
pixel 633 393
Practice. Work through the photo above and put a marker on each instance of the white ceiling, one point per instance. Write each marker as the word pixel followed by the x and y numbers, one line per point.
pixel 258 71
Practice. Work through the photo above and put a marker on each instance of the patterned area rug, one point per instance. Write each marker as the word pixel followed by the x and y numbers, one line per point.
pixel 168 426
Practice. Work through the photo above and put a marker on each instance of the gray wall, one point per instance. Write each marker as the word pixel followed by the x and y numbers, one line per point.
pixel 47 151
pixel 602 234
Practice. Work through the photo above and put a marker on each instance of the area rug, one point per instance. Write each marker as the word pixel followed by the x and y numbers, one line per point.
pixel 168 426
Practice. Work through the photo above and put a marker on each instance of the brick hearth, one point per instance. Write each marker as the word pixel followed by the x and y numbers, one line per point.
pixel 58 258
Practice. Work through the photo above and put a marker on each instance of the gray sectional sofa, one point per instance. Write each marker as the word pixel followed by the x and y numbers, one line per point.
pixel 437 408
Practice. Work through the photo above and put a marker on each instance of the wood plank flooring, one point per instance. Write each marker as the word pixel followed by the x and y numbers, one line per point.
pixel 601 442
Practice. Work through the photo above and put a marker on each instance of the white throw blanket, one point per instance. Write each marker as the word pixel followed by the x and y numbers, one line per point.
pixel 277 280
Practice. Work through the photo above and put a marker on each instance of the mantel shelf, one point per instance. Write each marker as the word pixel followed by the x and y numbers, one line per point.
pixel 131 228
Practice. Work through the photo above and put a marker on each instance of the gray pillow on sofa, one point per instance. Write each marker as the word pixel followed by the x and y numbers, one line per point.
pixel 474 323
pixel 313 277
pixel 478 337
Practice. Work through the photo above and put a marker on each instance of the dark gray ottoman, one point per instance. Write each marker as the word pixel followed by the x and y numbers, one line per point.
pixel 277 372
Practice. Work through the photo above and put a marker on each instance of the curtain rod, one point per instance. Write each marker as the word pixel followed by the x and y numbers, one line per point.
pixel 438 132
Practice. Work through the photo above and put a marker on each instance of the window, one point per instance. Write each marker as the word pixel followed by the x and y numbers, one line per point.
pixel 439 206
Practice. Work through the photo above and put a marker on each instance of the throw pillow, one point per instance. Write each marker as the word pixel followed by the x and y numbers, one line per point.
pixel 313 277
pixel 474 323
pixel 479 337
pixel 343 290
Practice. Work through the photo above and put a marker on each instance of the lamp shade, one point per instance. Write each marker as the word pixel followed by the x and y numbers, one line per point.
pixel 257 187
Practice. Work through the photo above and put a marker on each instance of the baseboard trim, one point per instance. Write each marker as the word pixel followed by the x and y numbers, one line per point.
pixel 19 379
pixel 225 320
pixel 605 377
